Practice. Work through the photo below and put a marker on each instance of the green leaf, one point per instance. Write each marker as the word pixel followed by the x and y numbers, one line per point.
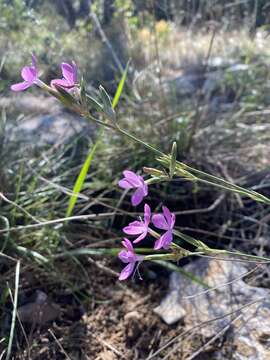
pixel 14 312
pixel 94 103
pixel 32 254
pixel 82 175
pixel 83 92
pixel 65 96
pixel 120 87
pixel 106 102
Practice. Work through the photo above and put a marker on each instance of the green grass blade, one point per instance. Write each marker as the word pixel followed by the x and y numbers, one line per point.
pixel 120 87
pixel 32 254
pixel 14 312
pixel 83 173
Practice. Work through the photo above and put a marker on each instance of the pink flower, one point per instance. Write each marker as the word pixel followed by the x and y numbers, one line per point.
pixel 29 75
pixel 128 257
pixel 166 222
pixel 69 79
pixel 139 227
pixel 131 181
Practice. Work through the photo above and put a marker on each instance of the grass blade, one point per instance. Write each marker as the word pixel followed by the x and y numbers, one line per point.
pixel 14 312
pixel 82 175
pixel 120 87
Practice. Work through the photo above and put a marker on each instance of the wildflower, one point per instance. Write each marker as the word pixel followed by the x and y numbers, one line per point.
pixel 128 257
pixel 132 180
pixel 29 75
pixel 139 227
pixel 69 79
pixel 166 222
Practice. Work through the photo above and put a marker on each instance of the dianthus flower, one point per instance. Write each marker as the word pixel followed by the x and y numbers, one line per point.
pixel 139 227
pixel 29 75
pixel 128 257
pixel 166 222
pixel 131 181
pixel 69 79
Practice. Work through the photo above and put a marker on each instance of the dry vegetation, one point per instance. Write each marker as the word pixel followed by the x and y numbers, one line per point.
pixel 221 127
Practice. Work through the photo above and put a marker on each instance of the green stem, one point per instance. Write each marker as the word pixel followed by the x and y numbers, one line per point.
pixel 236 253
pixel 212 180
pixel 134 138
pixel 165 257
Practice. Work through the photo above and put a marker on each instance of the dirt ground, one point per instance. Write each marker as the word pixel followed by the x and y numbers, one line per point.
pixel 106 319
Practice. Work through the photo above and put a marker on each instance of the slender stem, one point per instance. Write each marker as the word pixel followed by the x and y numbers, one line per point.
pixel 134 138
pixel 160 257
pixel 237 253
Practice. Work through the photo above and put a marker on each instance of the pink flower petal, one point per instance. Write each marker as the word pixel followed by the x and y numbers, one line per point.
pixel 75 72
pixel 141 237
pixel 132 178
pixel 20 86
pixel 158 244
pixel 128 245
pixel 173 221
pixel 147 214
pixel 60 82
pixel 145 188
pixel 127 271
pixel 34 61
pixel 170 218
pixel 134 228
pixel 166 239
pixel 137 197
pixel 124 184
pixel 29 73
pixel 123 256
pixel 68 73
pixel 160 222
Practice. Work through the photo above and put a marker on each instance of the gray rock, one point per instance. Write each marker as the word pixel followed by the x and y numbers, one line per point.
pixel 51 129
pixel 42 120
pixel 29 104
pixel 183 85
pixel 240 310
pixel 40 311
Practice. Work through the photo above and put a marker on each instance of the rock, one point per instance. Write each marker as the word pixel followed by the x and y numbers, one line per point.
pixel 171 309
pixel 40 311
pixel 184 85
pixel 28 104
pixel 248 324
pixel 49 129
pixel 42 120
pixel 251 333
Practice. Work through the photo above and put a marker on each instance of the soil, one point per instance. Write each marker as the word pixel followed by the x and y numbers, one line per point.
pixel 112 320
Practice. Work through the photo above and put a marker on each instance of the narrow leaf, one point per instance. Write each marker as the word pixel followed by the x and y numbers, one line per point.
pixel 65 96
pixel 94 103
pixel 106 102
pixel 120 87
pixel 82 176
pixel 14 312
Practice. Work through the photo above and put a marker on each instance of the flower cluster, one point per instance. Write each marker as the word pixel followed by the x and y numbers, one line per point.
pixel 141 228
pixel 30 77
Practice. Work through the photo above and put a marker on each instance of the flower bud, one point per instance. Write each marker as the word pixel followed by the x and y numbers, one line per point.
pixel 152 171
